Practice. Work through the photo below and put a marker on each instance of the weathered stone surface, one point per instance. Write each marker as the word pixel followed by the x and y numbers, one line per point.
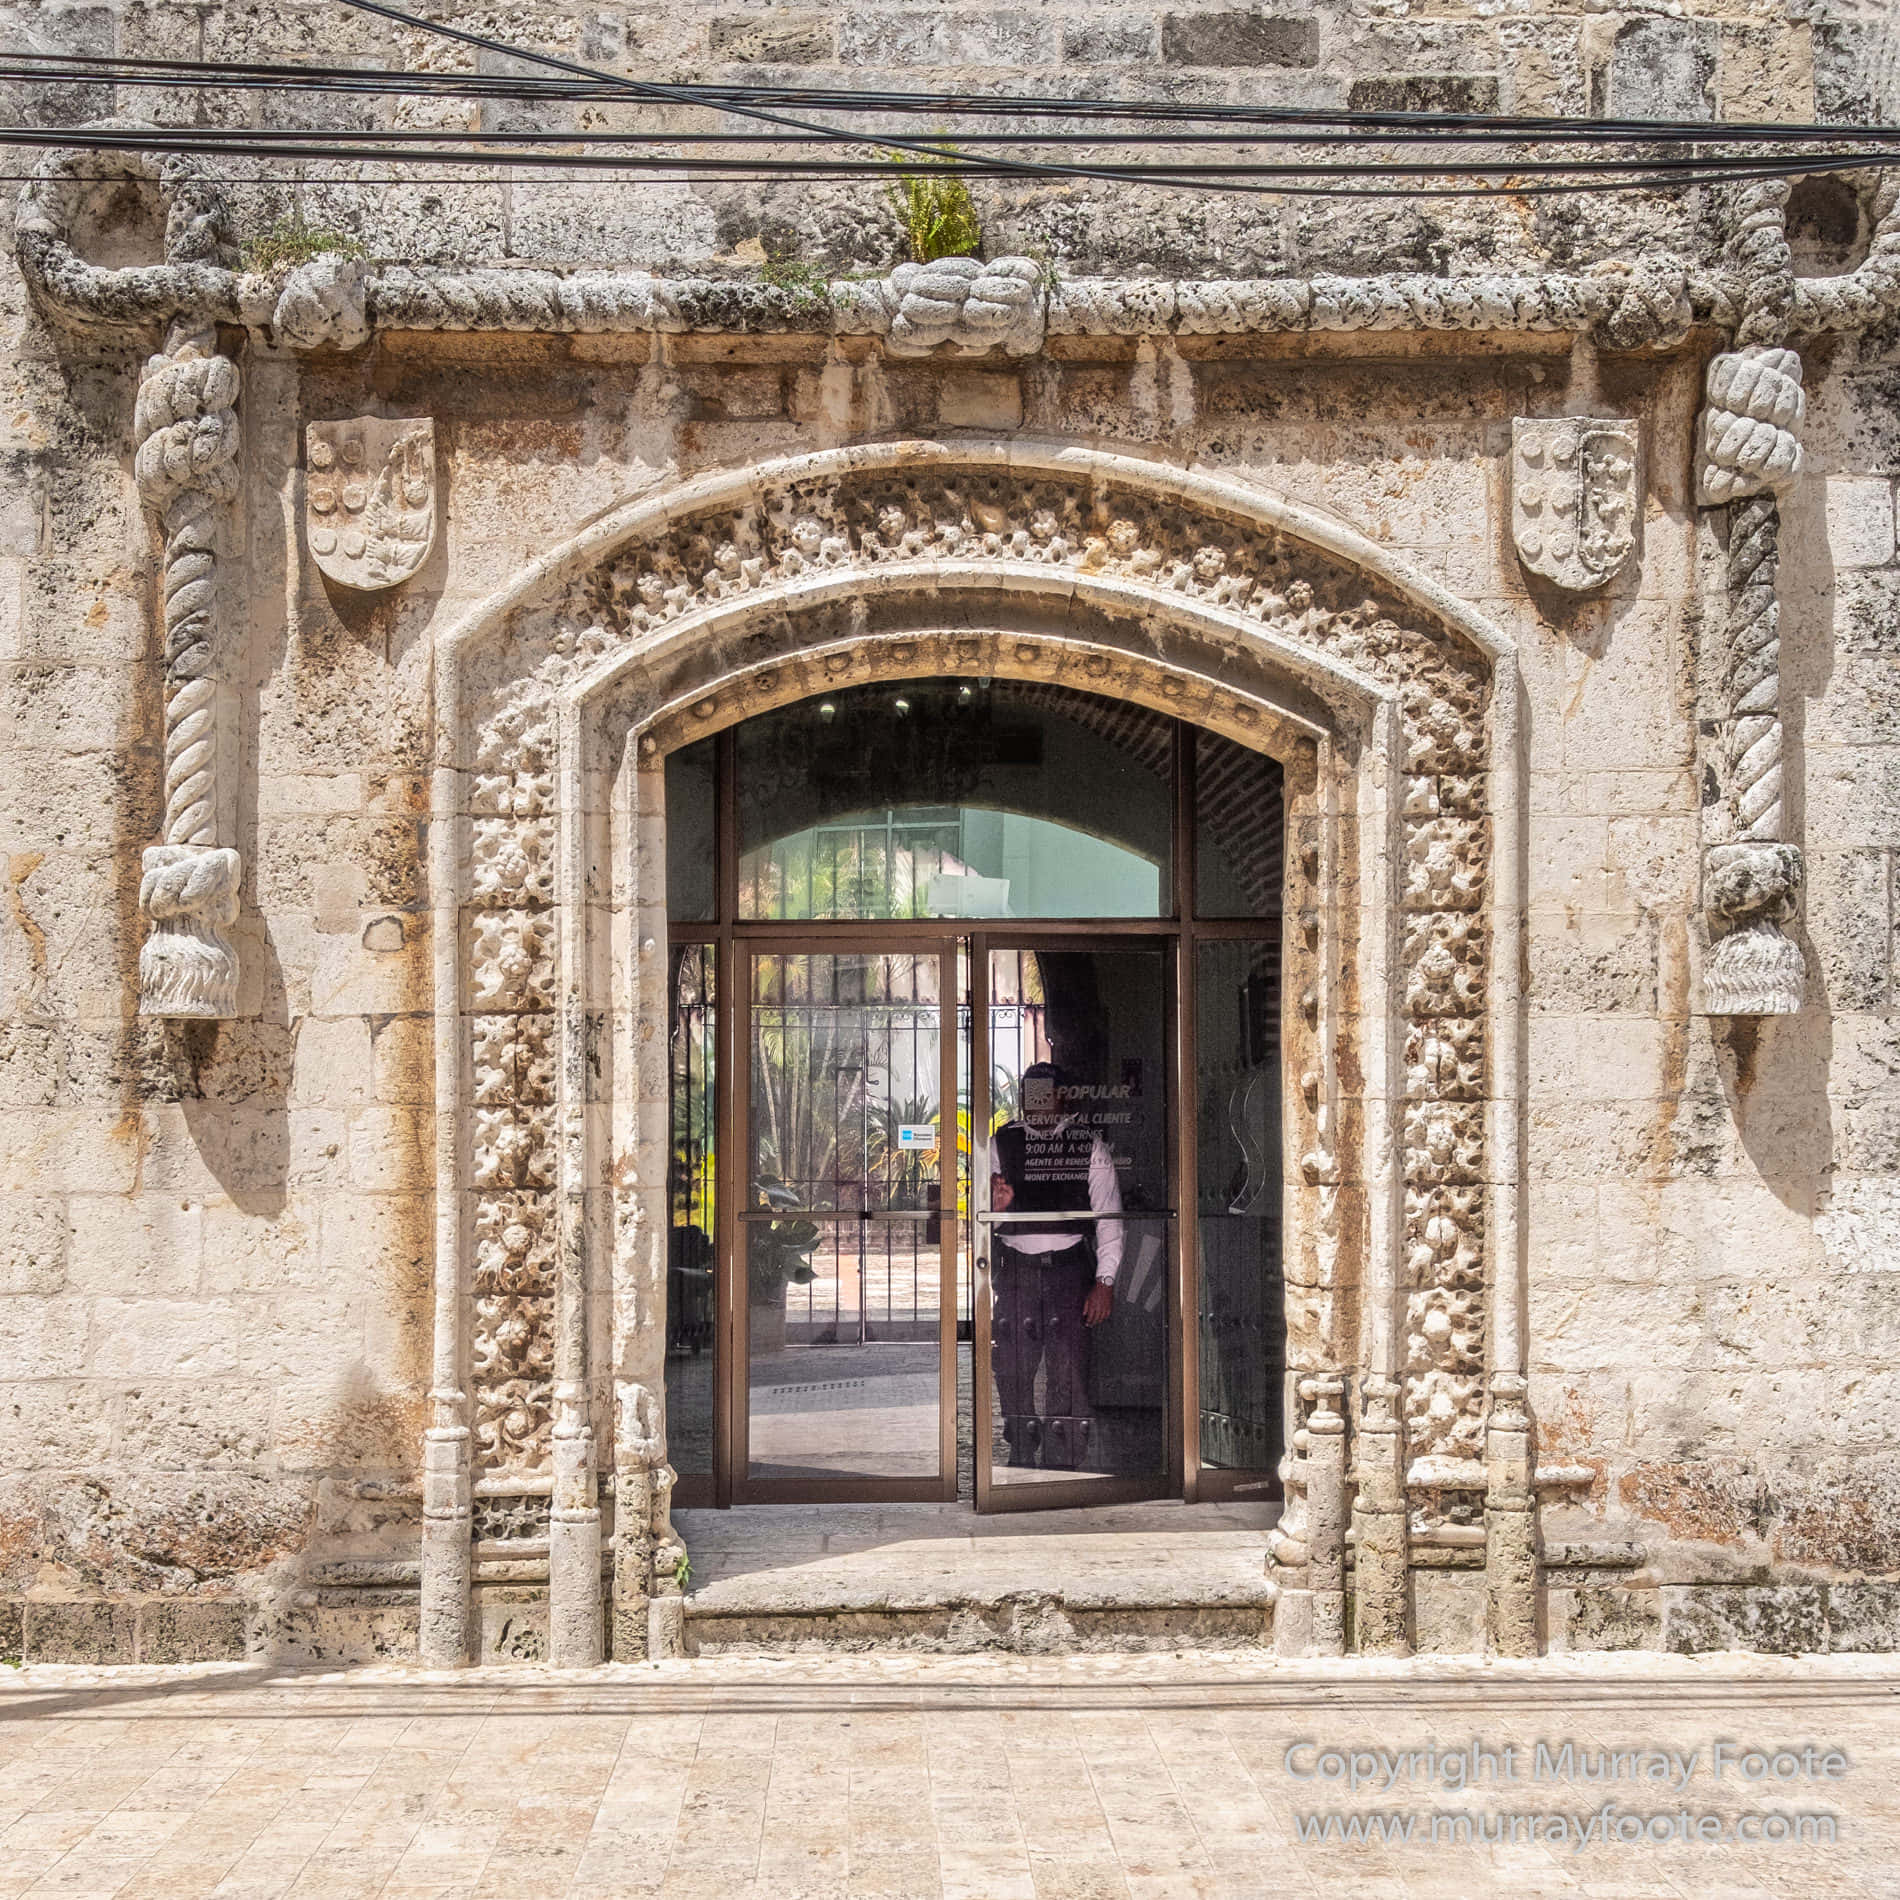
pixel 191 1630
pixel 1608 1618
pixel 1425 92
pixel 1239 39
pixel 80 1632
pixel 1663 69
pixel 1863 1616
pixel 1243 460
pixel 1783 1620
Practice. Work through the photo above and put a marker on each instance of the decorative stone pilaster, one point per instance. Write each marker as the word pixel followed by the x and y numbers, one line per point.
pixel 447 1522
pixel 574 1609
pixel 1326 1511
pixel 1510 1521
pixel 644 1544
pixel 1381 1585
pixel 187 473
pixel 1750 454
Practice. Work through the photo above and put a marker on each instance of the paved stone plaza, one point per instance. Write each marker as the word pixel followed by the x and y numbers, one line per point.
pixel 973 1778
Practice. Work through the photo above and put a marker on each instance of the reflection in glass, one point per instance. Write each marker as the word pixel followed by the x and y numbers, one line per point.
pixel 690 1312
pixel 1239 829
pixel 941 798
pixel 842 1344
pixel 842 1313
pixel 846 1079
pixel 691 868
pixel 1238 1203
pixel 1078 1154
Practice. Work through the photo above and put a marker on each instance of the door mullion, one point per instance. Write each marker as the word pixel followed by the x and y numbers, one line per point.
pixel 980 1431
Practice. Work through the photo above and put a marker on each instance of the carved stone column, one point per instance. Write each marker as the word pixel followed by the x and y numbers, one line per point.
pixel 186 466
pixel 574 1636
pixel 647 1620
pixel 187 473
pixel 447 1519
pixel 1750 454
pixel 1510 1521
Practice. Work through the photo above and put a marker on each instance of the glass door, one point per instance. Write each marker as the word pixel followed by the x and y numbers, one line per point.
pixel 848 1225
pixel 1076 1378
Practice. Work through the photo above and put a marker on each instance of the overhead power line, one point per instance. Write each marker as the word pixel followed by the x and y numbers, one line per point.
pixel 1321 152
pixel 525 151
pixel 1314 124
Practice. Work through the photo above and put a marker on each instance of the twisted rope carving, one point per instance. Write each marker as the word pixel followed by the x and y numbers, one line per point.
pixel 1754 668
pixel 199 277
pixel 1632 307
pixel 1749 453
pixel 186 466
pixel 1760 249
pixel 1865 296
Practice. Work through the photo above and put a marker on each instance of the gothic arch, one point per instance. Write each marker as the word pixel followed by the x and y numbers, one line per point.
pixel 1394 705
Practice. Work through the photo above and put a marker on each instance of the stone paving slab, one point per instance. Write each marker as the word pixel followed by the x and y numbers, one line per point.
pixel 905 1777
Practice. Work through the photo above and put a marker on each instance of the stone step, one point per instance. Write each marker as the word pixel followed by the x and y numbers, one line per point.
pixel 779 1579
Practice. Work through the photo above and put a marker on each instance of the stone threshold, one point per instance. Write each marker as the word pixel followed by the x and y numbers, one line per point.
pixel 937 1577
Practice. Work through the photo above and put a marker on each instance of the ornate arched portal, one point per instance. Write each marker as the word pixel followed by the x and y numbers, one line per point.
pixel 1393 709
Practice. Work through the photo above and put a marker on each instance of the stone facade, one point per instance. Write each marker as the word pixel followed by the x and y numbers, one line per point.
pixel 348 613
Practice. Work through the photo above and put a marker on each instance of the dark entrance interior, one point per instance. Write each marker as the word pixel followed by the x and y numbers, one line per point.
pixel 975 1177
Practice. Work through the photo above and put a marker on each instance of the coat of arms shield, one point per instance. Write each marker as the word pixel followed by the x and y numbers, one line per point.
pixel 369 498
pixel 1574 497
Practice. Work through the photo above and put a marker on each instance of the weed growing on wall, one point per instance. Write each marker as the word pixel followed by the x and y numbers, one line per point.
pixel 936 211
pixel 290 242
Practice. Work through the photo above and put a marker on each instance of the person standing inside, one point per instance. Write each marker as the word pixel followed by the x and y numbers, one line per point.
pixel 1052 1277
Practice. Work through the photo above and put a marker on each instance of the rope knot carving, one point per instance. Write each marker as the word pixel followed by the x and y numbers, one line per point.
pixel 1645 304
pixel 187 966
pixel 974 305
pixel 1751 423
pixel 324 304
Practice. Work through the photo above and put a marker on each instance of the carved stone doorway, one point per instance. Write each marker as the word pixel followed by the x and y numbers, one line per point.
pixel 1391 707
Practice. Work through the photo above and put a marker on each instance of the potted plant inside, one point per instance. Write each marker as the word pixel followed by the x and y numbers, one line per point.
pixel 778 1255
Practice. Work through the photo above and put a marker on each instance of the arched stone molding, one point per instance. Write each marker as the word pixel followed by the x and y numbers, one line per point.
pixel 1396 707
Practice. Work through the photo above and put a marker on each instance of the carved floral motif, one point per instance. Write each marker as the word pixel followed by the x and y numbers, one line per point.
pixel 509 947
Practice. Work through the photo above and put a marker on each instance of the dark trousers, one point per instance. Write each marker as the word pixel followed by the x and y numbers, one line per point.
pixel 1036 1325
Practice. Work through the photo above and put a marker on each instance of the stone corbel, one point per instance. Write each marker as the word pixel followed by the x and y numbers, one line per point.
pixel 1749 455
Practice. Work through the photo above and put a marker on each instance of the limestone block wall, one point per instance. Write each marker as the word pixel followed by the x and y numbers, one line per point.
pixel 217 1239
pixel 1716 1221
pixel 1704 59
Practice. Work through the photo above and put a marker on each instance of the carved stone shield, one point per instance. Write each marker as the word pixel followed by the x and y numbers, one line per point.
pixel 1574 497
pixel 369 498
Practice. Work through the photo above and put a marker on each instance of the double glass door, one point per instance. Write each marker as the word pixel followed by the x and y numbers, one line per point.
pixel 976 1170
pixel 954 1262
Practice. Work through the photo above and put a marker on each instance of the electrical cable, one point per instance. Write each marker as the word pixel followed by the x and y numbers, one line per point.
pixel 504 151
pixel 294 140
pixel 1480 127
pixel 659 151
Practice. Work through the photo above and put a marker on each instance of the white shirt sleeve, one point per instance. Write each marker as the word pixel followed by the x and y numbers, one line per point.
pixel 1105 1197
